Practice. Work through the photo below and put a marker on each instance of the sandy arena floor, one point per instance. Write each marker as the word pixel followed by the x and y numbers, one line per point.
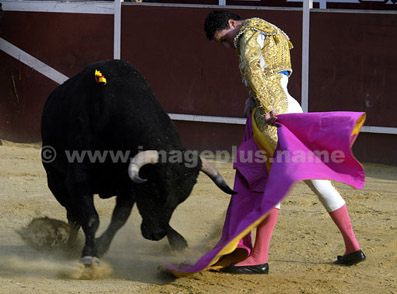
pixel 303 247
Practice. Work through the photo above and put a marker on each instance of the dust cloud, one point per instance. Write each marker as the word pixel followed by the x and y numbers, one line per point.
pixel 129 255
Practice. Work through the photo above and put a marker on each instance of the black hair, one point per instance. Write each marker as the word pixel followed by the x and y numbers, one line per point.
pixel 217 20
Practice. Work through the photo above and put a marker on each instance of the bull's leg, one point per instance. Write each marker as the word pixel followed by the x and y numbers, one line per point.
pixel 82 207
pixel 176 240
pixel 56 183
pixel 121 212
pixel 74 226
pixel 89 220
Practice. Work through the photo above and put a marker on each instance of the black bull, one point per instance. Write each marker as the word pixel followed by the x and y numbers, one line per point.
pixel 83 117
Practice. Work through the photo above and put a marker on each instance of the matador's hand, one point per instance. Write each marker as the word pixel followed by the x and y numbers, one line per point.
pixel 270 117
pixel 249 106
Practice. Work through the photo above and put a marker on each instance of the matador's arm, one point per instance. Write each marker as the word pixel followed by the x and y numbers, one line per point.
pixel 252 68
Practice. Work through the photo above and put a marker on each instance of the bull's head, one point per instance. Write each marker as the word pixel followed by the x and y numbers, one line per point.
pixel 171 184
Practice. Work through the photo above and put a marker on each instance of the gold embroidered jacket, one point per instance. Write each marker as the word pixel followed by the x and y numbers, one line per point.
pixel 259 61
pixel 264 51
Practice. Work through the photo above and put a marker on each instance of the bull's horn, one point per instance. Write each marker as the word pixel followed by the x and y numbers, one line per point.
pixel 139 160
pixel 215 176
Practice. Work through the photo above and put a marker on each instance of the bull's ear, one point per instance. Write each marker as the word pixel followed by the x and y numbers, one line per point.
pixel 139 160
pixel 215 176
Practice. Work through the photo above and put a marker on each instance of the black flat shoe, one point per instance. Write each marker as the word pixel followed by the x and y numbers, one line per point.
pixel 351 258
pixel 248 269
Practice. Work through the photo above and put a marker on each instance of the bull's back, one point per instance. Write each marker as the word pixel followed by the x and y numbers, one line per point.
pixel 83 111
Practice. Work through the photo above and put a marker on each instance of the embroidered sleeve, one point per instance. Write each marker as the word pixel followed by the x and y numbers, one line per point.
pixel 252 64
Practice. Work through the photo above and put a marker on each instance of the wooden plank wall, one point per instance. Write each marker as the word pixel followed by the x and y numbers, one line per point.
pixel 352 67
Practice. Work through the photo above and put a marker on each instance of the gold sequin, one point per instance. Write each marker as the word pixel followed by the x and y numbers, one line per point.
pixel 259 67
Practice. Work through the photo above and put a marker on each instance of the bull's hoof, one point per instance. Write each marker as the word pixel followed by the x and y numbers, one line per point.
pixel 90 261
pixel 93 269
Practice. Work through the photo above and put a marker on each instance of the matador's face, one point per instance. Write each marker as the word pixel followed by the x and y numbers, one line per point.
pixel 226 36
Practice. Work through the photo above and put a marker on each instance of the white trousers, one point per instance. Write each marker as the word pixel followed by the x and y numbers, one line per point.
pixel 325 191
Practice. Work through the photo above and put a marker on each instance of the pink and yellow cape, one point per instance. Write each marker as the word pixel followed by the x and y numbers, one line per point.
pixel 310 146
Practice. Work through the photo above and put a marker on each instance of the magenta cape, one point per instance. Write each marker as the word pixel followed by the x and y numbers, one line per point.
pixel 310 146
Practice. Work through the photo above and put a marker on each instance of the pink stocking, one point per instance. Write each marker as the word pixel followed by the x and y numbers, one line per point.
pixel 342 220
pixel 263 235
